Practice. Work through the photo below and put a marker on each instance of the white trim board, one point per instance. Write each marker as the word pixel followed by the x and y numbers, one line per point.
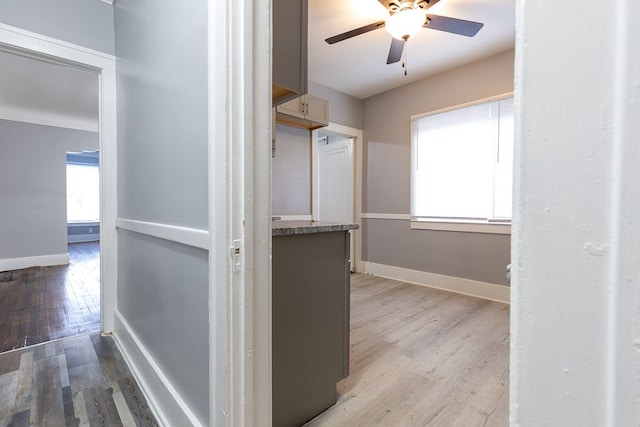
pixel 294 217
pixel 164 400
pixel 404 217
pixel 34 42
pixel 468 227
pixel 9 264
pixel 458 285
pixel 187 236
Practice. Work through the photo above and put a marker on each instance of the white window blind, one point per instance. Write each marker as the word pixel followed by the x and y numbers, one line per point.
pixel 462 164
pixel 83 193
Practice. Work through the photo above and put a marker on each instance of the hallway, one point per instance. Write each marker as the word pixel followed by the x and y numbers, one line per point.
pixel 78 381
pixel 42 304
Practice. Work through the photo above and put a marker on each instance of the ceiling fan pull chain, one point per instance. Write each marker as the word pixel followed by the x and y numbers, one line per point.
pixel 404 61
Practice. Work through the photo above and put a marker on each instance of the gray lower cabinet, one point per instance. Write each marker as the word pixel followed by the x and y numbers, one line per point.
pixel 310 291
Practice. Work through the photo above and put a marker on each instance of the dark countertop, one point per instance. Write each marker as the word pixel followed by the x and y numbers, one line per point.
pixel 288 228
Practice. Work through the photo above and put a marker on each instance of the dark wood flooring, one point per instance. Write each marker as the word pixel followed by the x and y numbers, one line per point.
pixel 42 304
pixel 78 381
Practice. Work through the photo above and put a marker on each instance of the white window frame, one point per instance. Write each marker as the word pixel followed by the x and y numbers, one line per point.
pixel 454 224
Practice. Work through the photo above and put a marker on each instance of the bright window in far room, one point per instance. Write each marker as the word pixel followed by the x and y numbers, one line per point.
pixel 462 167
pixel 83 195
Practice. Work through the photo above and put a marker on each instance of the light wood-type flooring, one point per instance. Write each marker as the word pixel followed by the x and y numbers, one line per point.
pixel 422 357
pixel 41 304
pixel 78 381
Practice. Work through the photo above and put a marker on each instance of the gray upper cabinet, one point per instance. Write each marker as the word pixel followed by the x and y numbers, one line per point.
pixel 308 111
pixel 289 77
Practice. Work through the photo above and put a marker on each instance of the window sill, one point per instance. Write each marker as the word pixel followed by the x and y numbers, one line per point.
pixel 466 227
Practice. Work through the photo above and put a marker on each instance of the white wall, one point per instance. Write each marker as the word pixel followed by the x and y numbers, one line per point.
pixel 576 237
pixel 33 197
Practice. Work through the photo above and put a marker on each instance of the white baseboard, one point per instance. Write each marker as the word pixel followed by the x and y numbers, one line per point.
pixel 165 402
pixel 9 264
pixel 459 285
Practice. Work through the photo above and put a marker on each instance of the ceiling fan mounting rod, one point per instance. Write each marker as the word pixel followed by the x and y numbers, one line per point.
pixel 398 6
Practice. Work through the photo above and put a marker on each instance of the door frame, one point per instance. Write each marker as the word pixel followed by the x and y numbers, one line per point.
pixel 357 135
pixel 240 120
pixel 22 42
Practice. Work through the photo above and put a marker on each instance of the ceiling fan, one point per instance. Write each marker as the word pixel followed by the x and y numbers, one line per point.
pixel 406 19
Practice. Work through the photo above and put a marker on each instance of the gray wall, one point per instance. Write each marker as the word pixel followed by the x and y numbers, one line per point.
pixel 291 168
pixel 33 195
pixel 162 178
pixel 291 172
pixel 481 257
pixel 343 109
pixel 81 22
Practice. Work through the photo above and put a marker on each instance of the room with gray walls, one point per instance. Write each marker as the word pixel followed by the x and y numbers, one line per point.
pixel 475 256
pixel 163 286
pixel 33 198
pixel 291 166
pixel 479 257
pixel 87 24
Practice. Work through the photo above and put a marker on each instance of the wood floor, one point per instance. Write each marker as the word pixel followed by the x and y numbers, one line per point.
pixel 422 357
pixel 78 381
pixel 41 304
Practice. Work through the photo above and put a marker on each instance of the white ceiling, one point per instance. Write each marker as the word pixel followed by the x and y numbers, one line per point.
pixel 357 66
pixel 44 92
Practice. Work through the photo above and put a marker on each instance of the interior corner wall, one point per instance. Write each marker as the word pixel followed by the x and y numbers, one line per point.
pixel 162 316
pixel 343 109
pixel 291 172
pixel 386 180
pixel 291 167
pixel 84 23
pixel 33 197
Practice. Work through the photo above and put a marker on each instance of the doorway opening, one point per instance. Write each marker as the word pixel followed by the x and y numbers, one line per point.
pixel 337 180
pixel 50 199
pixel 26 272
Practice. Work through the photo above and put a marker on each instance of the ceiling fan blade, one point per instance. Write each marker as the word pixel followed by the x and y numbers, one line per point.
pixel 453 25
pixel 355 32
pixel 395 51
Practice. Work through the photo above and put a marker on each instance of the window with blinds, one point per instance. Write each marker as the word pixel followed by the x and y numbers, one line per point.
pixel 462 164
pixel 83 193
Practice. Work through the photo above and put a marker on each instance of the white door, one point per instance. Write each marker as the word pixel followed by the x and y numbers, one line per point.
pixel 336 175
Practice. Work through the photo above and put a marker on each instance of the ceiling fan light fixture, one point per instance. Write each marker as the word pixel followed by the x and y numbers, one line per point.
pixel 406 23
